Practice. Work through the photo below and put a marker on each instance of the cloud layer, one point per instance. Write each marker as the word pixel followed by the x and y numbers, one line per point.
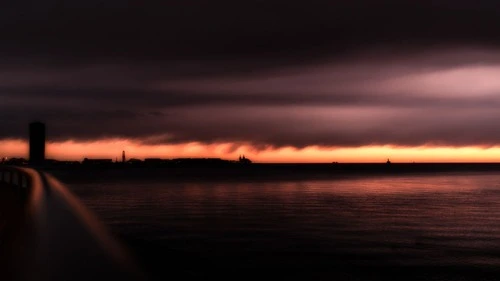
pixel 265 74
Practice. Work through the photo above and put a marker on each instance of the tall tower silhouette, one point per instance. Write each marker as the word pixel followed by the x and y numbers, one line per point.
pixel 123 156
pixel 37 143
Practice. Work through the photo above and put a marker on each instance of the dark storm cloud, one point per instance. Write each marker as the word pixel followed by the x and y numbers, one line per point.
pixel 263 72
pixel 203 29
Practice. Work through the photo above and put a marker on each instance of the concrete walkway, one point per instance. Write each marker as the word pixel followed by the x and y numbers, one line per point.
pixel 12 221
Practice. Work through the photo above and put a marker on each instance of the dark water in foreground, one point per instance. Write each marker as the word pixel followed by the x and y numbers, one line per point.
pixel 431 227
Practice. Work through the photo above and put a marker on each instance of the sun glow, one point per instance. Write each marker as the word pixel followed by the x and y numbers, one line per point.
pixel 112 148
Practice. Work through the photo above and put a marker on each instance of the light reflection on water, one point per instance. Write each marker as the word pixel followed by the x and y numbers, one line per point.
pixel 446 219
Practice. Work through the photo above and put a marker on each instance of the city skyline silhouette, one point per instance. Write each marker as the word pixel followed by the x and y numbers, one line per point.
pixel 419 154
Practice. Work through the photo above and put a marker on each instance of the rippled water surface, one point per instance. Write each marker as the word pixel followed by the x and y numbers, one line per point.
pixel 446 220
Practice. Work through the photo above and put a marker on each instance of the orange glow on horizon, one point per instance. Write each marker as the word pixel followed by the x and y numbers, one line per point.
pixel 112 148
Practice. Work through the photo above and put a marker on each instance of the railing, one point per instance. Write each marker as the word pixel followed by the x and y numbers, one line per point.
pixel 55 236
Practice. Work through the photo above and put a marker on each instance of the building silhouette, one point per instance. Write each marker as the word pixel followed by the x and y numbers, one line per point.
pixel 87 161
pixel 244 160
pixel 37 143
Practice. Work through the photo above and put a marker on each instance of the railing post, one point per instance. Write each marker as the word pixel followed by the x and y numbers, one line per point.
pixel 24 181
pixel 15 178
pixel 8 177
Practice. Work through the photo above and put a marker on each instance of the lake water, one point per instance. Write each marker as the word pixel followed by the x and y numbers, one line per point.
pixel 427 227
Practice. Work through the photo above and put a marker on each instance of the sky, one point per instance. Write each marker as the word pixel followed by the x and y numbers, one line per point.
pixel 351 81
